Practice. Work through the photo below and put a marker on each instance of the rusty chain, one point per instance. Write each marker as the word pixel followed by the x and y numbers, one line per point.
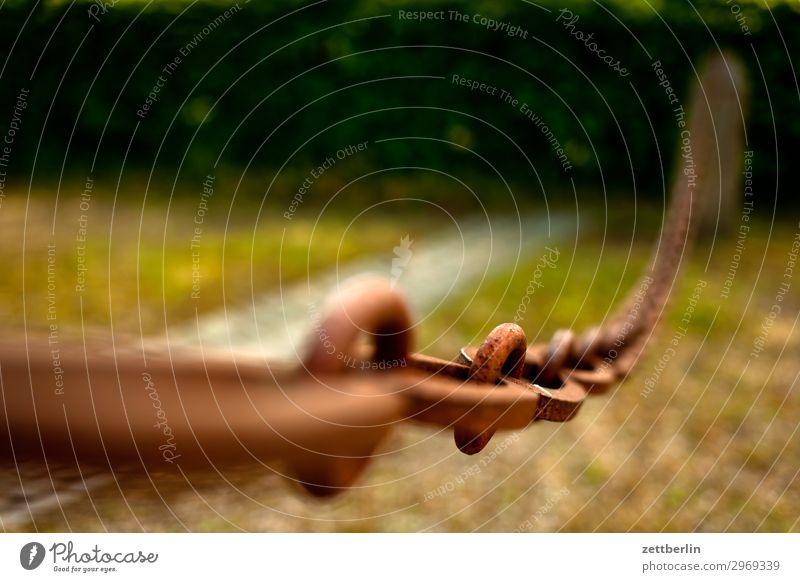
pixel 189 411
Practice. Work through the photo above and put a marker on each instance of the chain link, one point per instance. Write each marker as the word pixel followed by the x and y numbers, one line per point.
pixel 326 418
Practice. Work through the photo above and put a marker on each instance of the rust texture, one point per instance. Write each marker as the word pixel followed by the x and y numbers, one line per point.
pixel 131 410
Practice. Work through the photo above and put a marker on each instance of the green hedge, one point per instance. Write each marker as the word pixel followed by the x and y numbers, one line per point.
pixel 89 77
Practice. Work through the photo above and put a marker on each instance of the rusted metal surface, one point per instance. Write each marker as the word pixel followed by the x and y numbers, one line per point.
pixel 500 356
pixel 130 410
pixel 715 101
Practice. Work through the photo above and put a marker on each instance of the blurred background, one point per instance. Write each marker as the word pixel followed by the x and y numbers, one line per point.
pixel 200 173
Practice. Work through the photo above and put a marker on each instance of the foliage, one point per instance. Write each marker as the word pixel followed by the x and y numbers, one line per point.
pixel 287 84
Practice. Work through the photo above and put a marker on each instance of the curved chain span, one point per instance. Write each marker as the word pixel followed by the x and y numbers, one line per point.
pixel 326 418
pixel 713 132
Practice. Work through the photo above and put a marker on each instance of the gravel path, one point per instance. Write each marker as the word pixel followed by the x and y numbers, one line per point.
pixel 425 271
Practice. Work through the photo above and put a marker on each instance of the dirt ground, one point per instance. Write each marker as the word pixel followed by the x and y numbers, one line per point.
pixel 702 438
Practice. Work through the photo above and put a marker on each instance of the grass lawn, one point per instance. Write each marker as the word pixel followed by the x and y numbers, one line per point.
pixel 707 442
pixel 142 264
